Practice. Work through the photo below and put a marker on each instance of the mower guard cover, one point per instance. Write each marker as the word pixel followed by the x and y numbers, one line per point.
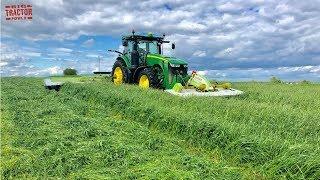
pixel 194 92
pixel 199 85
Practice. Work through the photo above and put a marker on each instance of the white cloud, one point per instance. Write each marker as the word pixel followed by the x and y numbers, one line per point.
pixel 316 70
pixel 312 69
pixel 92 55
pixel 286 20
pixel 32 54
pixel 128 18
pixel 224 53
pixel 191 26
pixel 199 53
pixel 88 43
pixel 282 8
pixel 3 64
pixel 48 3
pixel 203 73
pixel 55 70
pixel 64 50
pixel 285 73
pixel 229 7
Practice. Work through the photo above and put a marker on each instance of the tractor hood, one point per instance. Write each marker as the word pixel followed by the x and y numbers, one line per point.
pixel 171 60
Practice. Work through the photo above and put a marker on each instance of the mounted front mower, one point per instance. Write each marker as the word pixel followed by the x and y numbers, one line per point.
pixel 142 62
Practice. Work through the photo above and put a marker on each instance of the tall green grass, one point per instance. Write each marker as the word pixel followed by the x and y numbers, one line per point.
pixel 272 131
pixel 48 134
pixel 256 129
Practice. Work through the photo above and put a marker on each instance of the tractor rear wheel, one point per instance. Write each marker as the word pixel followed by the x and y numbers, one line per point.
pixel 147 78
pixel 119 73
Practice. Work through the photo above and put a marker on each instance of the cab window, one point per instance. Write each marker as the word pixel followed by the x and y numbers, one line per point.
pixel 128 49
pixel 142 46
pixel 153 47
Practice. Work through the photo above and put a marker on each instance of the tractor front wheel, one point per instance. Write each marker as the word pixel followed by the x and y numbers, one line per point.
pixel 147 79
pixel 119 73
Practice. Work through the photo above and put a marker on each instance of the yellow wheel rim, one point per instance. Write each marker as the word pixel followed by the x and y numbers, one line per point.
pixel 117 76
pixel 144 82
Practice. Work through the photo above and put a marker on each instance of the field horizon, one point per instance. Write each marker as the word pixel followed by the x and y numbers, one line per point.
pixel 265 80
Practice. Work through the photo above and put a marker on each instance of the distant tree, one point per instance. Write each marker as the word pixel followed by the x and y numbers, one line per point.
pixel 275 80
pixel 69 71
pixel 305 82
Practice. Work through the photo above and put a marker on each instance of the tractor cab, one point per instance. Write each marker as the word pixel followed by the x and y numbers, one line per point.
pixel 137 47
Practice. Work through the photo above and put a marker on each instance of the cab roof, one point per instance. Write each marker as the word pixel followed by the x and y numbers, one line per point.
pixel 142 38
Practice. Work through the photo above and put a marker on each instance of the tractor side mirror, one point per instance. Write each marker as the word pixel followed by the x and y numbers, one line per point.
pixel 173 46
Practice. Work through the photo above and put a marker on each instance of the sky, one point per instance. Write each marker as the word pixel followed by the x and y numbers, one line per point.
pixel 239 40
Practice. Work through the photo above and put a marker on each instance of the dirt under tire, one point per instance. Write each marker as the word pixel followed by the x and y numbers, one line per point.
pixel 117 77
pixel 151 78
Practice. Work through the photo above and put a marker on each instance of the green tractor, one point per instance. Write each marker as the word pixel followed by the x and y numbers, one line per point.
pixel 142 62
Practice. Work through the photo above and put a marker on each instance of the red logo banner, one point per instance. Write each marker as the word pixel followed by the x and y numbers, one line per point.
pixel 18 12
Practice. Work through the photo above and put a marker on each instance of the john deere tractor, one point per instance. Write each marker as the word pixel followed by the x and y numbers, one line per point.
pixel 142 62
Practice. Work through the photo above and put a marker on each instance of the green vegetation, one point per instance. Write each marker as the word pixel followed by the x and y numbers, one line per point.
pixel 97 130
pixel 69 72
pixel 275 80
pixel 305 82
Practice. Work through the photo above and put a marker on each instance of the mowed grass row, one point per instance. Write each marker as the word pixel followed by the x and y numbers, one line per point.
pixel 279 139
pixel 48 134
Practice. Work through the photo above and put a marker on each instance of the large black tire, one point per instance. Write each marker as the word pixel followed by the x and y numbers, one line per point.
pixel 124 69
pixel 153 79
pixel 159 77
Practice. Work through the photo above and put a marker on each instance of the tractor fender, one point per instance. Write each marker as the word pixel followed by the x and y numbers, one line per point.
pixel 122 60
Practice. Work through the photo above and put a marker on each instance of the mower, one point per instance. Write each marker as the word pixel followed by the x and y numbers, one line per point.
pixel 142 62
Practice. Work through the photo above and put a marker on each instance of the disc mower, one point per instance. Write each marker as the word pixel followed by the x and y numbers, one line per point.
pixel 142 62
